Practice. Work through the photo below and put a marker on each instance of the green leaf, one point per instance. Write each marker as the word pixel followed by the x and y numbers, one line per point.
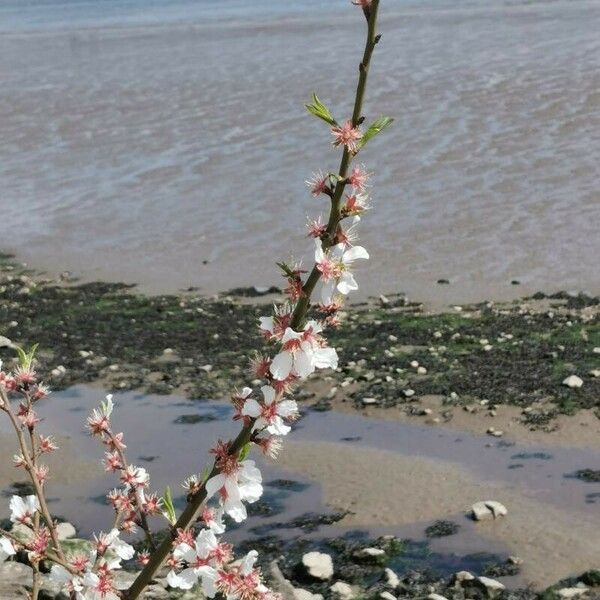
pixel 375 127
pixel 245 451
pixel 319 110
pixel 168 508
pixel 26 358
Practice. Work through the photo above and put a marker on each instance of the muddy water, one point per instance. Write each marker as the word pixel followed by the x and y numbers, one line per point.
pixel 165 142
pixel 171 450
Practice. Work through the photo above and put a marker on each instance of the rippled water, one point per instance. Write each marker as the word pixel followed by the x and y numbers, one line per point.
pixel 138 143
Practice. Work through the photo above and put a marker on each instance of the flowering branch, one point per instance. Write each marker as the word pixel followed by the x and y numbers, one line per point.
pixel 199 557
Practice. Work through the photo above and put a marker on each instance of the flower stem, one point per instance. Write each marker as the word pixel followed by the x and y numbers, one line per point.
pixel 190 513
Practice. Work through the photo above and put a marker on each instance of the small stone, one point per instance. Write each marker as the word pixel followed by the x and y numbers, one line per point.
pixel 487 347
pixel 595 373
pixel 487 510
pixel 207 368
pixel 168 351
pixel 596 350
pixel 463 576
pixel 384 300
pixel 6 343
pixel 301 594
pixel 572 381
pixel 480 512
pixel 341 590
pixel 85 353
pixel 392 338
pixel 497 508
pixel 113 368
pixel 391 579
pixel 515 560
pixel 414 364
pixel 332 392
pixel 495 432
pixel 318 565
pixel 369 401
pixel 65 531
pixel 372 552
pixel 573 592
pixel 409 393
pixel 422 371
pixel 437 334
pixel 387 596
pixel 425 411
pixel 436 597
pixel 492 586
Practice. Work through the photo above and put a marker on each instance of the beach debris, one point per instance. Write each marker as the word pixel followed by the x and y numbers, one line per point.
pixel 391 578
pixel 494 432
pixel 492 587
pixel 387 596
pixel 6 343
pixel 572 381
pixel 572 592
pixel 369 401
pixel 302 594
pixel 409 393
pixel 318 565
pixel 486 510
pixel 342 590
pixel 58 371
pixel 462 576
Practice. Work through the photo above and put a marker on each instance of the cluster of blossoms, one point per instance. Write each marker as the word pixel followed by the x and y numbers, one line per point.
pixel 194 552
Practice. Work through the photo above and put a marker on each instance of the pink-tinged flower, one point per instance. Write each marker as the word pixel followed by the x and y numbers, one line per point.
pixel 135 477
pixel 273 327
pixel 259 366
pixel 120 500
pixel 143 558
pixel 349 235
pixel 270 446
pixel 152 504
pixel 326 264
pixel 347 135
pixel 238 401
pixel 115 442
pixel 6 549
pixel 23 509
pixel 318 183
pixel 356 204
pixel 41 473
pixel 19 460
pixel 238 482
pixel 316 227
pixel 100 586
pixel 112 462
pixel 302 353
pixel 344 283
pixel 213 519
pixel 27 416
pixel 72 584
pixel 40 392
pixel 25 377
pixel 270 414
pixel 294 289
pixel 110 542
pixel 362 3
pixel 99 421
pixel 201 560
pixel 47 444
pixel 358 178
pixel 39 544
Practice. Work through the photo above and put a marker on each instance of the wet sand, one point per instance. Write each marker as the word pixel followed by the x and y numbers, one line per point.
pixel 385 489
pixel 578 431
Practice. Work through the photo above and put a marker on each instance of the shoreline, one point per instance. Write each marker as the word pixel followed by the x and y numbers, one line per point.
pixel 198 347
